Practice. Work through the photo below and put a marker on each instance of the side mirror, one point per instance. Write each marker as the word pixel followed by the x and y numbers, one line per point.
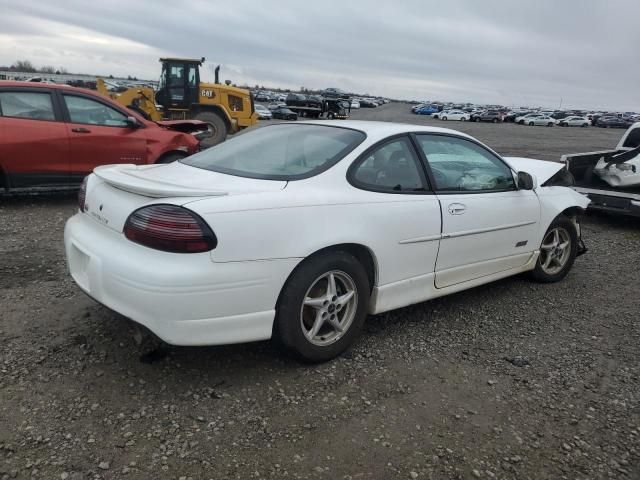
pixel 526 181
pixel 132 122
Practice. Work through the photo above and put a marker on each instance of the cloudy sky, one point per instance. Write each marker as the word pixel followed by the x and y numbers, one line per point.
pixel 511 52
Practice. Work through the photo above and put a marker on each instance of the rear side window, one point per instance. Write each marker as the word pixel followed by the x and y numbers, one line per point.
pixel 31 105
pixel 85 110
pixel 392 168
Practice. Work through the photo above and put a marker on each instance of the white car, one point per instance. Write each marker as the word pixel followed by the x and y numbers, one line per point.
pixel 355 104
pixel 574 121
pixel 298 231
pixel 455 115
pixel 540 120
pixel 524 119
pixel 263 112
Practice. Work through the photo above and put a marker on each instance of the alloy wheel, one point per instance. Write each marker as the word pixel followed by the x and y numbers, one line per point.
pixel 555 250
pixel 328 308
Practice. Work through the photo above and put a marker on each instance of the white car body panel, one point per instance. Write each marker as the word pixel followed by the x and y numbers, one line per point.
pixel 422 246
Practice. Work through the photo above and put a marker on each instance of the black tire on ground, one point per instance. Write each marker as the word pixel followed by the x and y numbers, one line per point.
pixel 539 274
pixel 330 116
pixel 531 124
pixel 444 118
pixel 495 120
pixel 550 124
pixel 477 119
pixel 171 157
pixel 217 125
pixel 288 329
pixel 462 119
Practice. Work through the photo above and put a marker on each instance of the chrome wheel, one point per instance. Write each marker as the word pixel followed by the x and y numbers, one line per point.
pixel 555 250
pixel 328 308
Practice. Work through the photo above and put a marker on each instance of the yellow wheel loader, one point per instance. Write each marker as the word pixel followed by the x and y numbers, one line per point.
pixel 181 96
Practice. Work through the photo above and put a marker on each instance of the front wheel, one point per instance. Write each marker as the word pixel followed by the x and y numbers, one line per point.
pixel 557 251
pixel 549 124
pixel 495 120
pixel 477 119
pixel 531 124
pixel 462 119
pixel 322 307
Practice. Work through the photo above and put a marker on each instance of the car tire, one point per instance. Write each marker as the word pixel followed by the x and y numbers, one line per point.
pixel 294 323
pixel 462 119
pixel 444 118
pixel 330 116
pixel 171 157
pixel 531 124
pixel 585 125
pixel 495 120
pixel 550 124
pixel 477 119
pixel 217 125
pixel 555 261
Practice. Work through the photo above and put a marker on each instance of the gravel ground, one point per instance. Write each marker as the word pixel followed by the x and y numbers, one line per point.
pixel 513 380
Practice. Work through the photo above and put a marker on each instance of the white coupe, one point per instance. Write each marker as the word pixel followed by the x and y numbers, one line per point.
pixel 298 231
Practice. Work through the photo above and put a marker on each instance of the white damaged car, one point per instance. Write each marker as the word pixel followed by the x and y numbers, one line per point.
pixel 298 231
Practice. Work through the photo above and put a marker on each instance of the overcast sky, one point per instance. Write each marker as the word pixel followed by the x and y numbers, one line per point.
pixel 510 52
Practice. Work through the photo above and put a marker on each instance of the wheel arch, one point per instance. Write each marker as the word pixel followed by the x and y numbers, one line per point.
pixel 361 252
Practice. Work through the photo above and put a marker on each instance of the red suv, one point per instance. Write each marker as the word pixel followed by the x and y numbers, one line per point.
pixel 51 136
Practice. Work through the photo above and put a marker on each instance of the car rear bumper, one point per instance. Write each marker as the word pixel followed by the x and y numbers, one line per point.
pixel 184 299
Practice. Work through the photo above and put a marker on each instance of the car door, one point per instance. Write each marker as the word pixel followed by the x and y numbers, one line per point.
pixel 405 223
pixel 488 225
pixel 34 146
pixel 100 134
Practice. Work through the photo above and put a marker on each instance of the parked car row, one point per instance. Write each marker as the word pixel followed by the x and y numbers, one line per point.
pixel 497 114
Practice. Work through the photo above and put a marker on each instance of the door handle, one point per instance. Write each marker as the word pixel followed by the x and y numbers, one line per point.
pixel 81 130
pixel 457 208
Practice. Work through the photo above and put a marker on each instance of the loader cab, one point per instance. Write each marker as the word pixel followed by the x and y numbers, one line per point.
pixel 179 83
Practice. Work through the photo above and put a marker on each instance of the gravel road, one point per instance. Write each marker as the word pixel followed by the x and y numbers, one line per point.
pixel 513 380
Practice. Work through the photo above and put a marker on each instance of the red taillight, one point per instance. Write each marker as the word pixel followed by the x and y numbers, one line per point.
pixel 169 228
pixel 82 194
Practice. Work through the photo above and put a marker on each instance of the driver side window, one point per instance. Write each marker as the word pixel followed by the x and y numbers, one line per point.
pixel 85 110
pixel 458 165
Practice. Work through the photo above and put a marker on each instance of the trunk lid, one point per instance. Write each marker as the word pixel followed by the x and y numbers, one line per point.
pixel 114 191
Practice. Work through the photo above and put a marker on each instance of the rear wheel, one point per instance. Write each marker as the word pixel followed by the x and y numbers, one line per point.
pixel 531 124
pixel 217 128
pixel 557 251
pixel 477 119
pixel 495 120
pixel 462 119
pixel 322 307
pixel 444 118
pixel 550 124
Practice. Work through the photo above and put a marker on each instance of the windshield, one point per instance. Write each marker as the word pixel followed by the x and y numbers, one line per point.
pixel 279 152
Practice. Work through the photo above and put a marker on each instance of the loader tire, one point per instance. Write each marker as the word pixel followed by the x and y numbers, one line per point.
pixel 217 126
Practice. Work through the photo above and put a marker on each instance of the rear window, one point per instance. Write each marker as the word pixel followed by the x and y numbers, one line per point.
pixel 279 152
pixel 32 105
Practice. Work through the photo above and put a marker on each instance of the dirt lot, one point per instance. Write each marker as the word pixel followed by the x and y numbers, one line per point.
pixel 513 380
